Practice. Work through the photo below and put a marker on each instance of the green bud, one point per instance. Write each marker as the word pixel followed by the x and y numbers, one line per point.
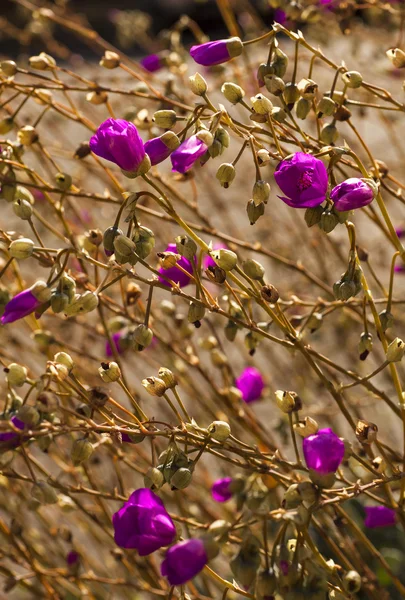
pixel 302 108
pixel 353 79
pixel 253 269
pixel 261 192
pixel 29 415
pixel 154 478
pixel 181 479
pixel 198 85
pixel 226 174
pixel 144 240
pixel 231 330
pixel 165 118
pixel 142 336
pixel 124 246
pixel 16 374
pixel 225 259
pixel 326 107
pixel 232 92
pixel 196 312
pixel 63 181
pixel 59 301
pixel 43 493
pixel 395 350
pixel 278 114
pixel 64 359
pixel 329 134
pixel 313 215
pixel 21 248
pixel 186 246
pixel 279 63
pixel 261 104
pixel 82 449
pixel 275 85
pixel 154 386
pixel 219 430
pixel 254 211
pixel 386 319
pixel 365 345
pixel 109 236
pixel 22 209
pixel 291 95
pixel 266 584
pixel 328 221
pixel 84 303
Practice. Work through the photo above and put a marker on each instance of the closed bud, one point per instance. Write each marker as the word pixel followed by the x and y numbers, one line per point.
pixel 253 269
pixel 84 303
pixel 110 60
pixel 41 291
pixel 328 221
pixel 16 374
pixel 109 236
pixel 302 108
pixel 198 85
pixel 218 530
pixel 307 88
pixel 231 330
pixel 64 359
pixel 261 104
pixel 218 358
pixel 124 246
pixel 27 135
pixel 23 209
pixel 263 70
pixel 225 259
pixel 43 97
pixel 266 584
pixel 291 95
pixel 269 293
pixel 386 319
pixel 365 345
pixel 165 118
pixel 286 401
pixel 63 181
pixel 308 492
pixel 196 312
pixel 254 211
pixel 279 63
pixel 326 107
pixel 186 246
pixel 142 336
pixel 43 493
pixel 342 113
pixel 226 174
pixel 219 430
pixel 315 322
pixel 352 579
pixel 313 215
pixel 232 92
pixel 29 415
pixel 168 377
pixel 82 449
pixel 8 68
pixel 306 427
pixel 397 57
pixel 154 478
pixel 261 191
pixel 154 386
pixel 275 85
pixel 82 150
pixel 97 98
pixel 329 134
pixel 263 157
pixel 278 114
pixel 144 240
pixel 21 248
pixel 181 479
pixel 168 307
pixel 366 432
pixel 395 350
pixel 43 62
pixel 59 302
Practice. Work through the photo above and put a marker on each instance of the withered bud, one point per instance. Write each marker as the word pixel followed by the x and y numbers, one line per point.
pixel 132 293
pixel 216 274
pixel 97 97
pixel 261 104
pixel 98 396
pixel 397 57
pixel 110 60
pixel 27 135
pixel 342 113
pixel 395 350
pixel 109 372
pixel 168 377
pixel 82 150
pixel 8 68
pixel 286 401
pixel 186 246
pixel 366 432
pixel 263 157
pixel 269 293
pixel 306 427
pixel 365 345
pixel 154 386
pixel 307 88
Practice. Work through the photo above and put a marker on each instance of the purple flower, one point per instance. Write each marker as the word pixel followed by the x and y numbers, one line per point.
pixel 399 269
pixel 11 439
pixel 280 16
pixel 143 523
pixel 116 340
pixel 303 179
pixel 352 193
pixel 400 231
pixel 250 383
pixel 119 141
pixel 22 305
pixel 184 561
pixel 323 451
pixel 161 147
pixel 379 516
pixel 220 489
pixel 72 558
pixel 208 260
pixel 184 157
pixel 215 53
pixel 174 273
pixel 151 63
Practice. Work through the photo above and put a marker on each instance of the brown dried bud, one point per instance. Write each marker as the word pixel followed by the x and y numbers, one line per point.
pixel 342 113
pixel 133 293
pixel 366 432
pixel 98 396
pixel 110 60
pixel 269 293
pixel 82 150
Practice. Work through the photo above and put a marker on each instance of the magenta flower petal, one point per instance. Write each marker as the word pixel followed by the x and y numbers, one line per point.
pixel 184 561
pixel 217 52
pixel 379 516
pixel 351 194
pixel 11 439
pixel 303 179
pixel 20 306
pixel 174 273
pixel 184 157
pixel 220 489
pixel 151 63
pixel 143 523
pixel 116 337
pixel 208 260
pixel 161 147
pixel 250 382
pixel 118 141
pixel 323 451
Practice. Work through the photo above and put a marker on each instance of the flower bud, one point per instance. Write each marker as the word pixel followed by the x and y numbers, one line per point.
pixel 253 269
pixel 397 57
pixel 110 60
pixel 165 118
pixel 82 449
pixel 27 135
pixel 266 584
pixel 142 336
pixel 379 464
pixel 43 62
pixel 225 259
pixel 313 215
pixel 63 181
pixel 21 248
pixel 329 134
pixel 279 63
pixel 291 95
pixel 395 350
pixel 97 97
pixel 302 108
pixel 269 293
pixel 286 401
pixel 261 191
pixel 181 479
pixel 261 104
pixel 196 312
pixel 84 303
pixel 198 85
pixel 109 372
pixel 154 478
pixel 226 174
pixel 124 246
pixel 275 85
pixel 43 493
pixel 8 68
pixel 353 79
pixel 29 415
pixel 232 92
pixel 16 374
pixel 218 358
pixel 154 386
pixel 6 125
pixel 219 430
pixel 386 319
pixel 231 330
pixel 108 238
pixel 144 239
pixel 352 582
pixel 59 302
pixel 205 136
pixel 41 291
pixel 218 530
pixel 254 211
pixel 365 345
pixel 186 246
pixel 307 88
pixel 22 209
pixel 328 221
pixel 245 563
pixel 263 157
pixel 325 107
pixel 306 427
pixel 64 359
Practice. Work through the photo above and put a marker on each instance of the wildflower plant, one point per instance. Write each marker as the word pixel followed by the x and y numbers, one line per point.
pixel 201 284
